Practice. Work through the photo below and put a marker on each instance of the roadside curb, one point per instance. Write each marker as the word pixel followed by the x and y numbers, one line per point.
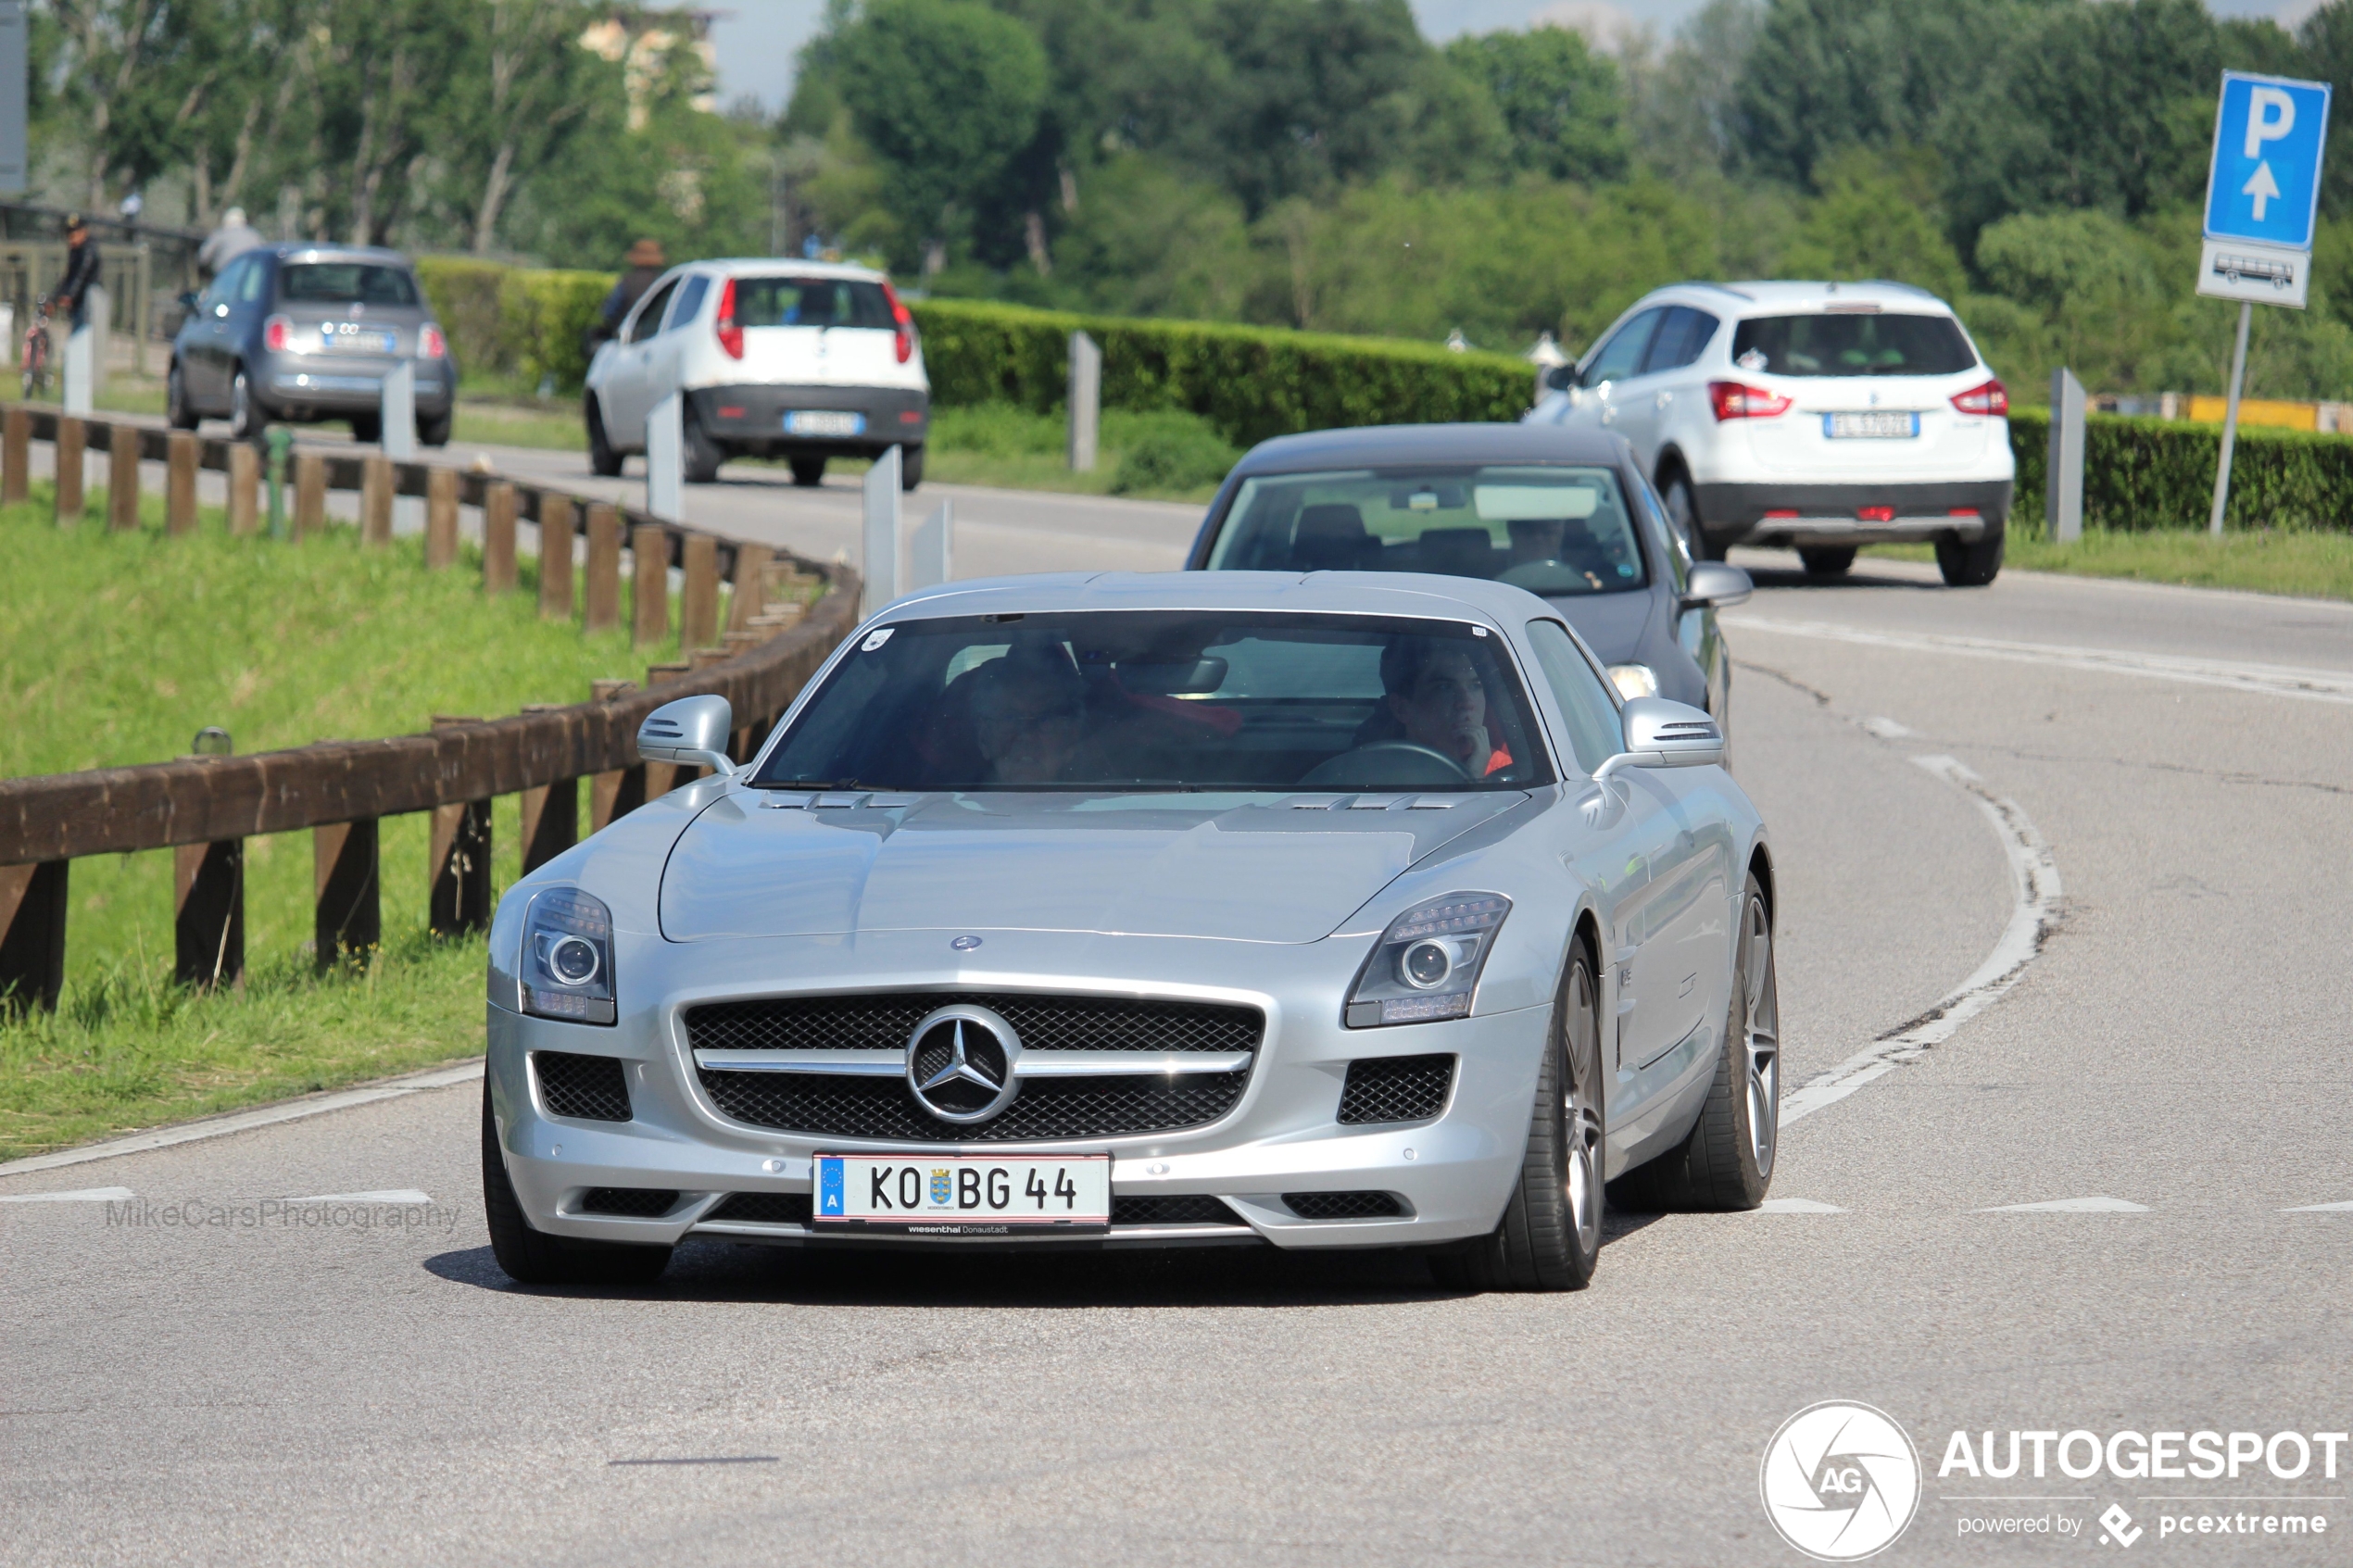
pixel 245 1121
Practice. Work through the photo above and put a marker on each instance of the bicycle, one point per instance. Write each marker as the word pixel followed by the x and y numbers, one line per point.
pixel 37 350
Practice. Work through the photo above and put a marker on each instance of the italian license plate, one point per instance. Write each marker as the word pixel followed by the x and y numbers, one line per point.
pixel 1871 427
pixel 963 1195
pixel 353 340
pixel 823 422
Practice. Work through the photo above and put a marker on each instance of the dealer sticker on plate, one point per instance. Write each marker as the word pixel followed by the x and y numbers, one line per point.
pixel 963 1195
pixel 1871 427
pixel 823 422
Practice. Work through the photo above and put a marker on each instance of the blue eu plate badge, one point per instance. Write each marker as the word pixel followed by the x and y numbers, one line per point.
pixel 829 1187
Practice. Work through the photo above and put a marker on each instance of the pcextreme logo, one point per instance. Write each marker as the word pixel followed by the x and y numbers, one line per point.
pixel 1840 1481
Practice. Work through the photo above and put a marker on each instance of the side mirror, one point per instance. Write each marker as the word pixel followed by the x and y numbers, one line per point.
pixel 693 729
pixel 1713 583
pixel 1660 733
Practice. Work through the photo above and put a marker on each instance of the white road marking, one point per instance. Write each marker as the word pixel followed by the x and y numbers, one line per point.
pixel 221 1126
pixel 1797 1206
pixel 2034 885
pixel 1888 728
pixel 388 1195
pixel 2321 1209
pixel 2268 679
pixel 87 1195
pixel 2071 1206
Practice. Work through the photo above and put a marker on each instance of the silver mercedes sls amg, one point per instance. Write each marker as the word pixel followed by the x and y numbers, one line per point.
pixel 1332 910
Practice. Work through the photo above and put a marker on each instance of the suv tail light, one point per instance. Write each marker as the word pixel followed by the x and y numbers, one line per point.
pixel 1875 514
pixel 731 336
pixel 903 335
pixel 1733 401
pixel 1990 398
pixel 430 344
pixel 275 332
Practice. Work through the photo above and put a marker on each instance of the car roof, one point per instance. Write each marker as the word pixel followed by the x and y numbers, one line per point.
pixel 1397 445
pixel 307 250
pixel 1412 594
pixel 740 264
pixel 1774 296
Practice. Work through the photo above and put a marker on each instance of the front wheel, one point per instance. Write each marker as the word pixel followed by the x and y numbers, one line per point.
pixel 603 462
pixel 1551 1237
pixel 1968 564
pixel 532 1257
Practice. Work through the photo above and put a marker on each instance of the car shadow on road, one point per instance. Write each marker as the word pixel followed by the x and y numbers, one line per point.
pixel 1859 577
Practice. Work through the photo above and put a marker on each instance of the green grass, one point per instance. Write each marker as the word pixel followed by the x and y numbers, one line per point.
pixel 117 649
pixel 2306 563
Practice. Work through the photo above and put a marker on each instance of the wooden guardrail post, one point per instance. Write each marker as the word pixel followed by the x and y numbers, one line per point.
pixel 699 604
pixel 15 456
pixel 459 900
pixel 618 791
pixel 244 488
pixel 649 583
pixel 71 436
pixel 550 812
pixel 499 538
pixel 180 483
pixel 751 583
pixel 209 923
pixel 603 597
pixel 441 520
pixel 350 919
pixel 32 936
pixel 555 557
pixel 310 494
pixel 375 499
pixel 122 477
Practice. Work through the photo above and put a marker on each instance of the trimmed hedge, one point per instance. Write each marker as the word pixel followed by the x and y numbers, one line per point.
pixel 1250 382
pixel 2146 474
pixel 514 321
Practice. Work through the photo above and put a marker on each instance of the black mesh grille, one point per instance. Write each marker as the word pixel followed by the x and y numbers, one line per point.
pixel 764 1207
pixel 590 1087
pixel 1044 1023
pixel 1396 1088
pixel 846 1106
pixel 1048 1108
pixel 644 1203
pixel 1172 1212
pixel 1342 1205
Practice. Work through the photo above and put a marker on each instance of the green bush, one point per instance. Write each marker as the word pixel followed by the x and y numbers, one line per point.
pixel 548 313
pixel 2142 474
pixel 464 294
pixel 1248 383
pixel 1168 450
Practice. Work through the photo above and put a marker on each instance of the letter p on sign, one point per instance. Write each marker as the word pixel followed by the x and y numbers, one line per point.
pixel 2271 115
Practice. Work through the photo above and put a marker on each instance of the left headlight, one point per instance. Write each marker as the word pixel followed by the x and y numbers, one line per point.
pixel 567 957
pixel 1427 964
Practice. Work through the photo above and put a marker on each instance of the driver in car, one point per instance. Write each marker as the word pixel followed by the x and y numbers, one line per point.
pixel 1029 715
pixel 1435 699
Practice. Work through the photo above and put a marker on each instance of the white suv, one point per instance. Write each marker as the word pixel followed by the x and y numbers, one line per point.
pixel 803 360
pixel 1820 415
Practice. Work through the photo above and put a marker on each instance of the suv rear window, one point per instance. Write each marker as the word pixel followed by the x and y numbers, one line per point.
pixel 345 283
pixel 1856 345
pixel 811 302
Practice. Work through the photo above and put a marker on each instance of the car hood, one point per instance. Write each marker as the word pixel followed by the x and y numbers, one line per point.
pixel 1253 868
pixel 1612 625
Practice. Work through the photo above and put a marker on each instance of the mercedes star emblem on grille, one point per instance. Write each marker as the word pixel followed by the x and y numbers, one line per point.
pixel 960 1063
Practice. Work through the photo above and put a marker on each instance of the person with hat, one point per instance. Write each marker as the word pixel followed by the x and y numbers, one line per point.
pixel 646 263
pixel 82 270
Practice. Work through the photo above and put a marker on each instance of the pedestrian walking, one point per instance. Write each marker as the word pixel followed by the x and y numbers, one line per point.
pixel 81 271
pixel 224 245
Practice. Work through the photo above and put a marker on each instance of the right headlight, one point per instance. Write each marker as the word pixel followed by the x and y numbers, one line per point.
pixel 567 957
pixel 1427 964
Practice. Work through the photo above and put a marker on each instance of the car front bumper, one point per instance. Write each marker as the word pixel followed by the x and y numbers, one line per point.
pixel 751 419
pixel 1829 514
pixel 1449 1174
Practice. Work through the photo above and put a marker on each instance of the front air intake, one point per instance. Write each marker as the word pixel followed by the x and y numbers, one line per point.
pixel 587 1088
pixel 1396 1088
pixel 1342 1205
pixel 636 1203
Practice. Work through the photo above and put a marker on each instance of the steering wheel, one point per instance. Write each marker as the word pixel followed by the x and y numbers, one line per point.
pixel 1365 766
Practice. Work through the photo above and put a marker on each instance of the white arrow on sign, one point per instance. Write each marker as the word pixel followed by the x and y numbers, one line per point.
pixel 2262 187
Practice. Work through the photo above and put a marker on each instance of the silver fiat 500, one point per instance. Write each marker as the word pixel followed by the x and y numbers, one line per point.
pixel 1336 911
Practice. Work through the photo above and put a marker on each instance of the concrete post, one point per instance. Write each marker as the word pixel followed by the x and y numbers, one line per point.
pixel 931 555
pixel 398 414
pixel 880 564
pixel 2063 484
pixel 78 371
pixel 1086 401
pixel 666 459
pixel 100 315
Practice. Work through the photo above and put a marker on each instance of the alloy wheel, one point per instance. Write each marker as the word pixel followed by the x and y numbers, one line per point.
pixel 1762 1033
pixel 1582 1118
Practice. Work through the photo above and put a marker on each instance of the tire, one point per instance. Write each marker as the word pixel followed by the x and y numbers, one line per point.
pixel 1551 1235
pixel 532 1257
pixel 1829 560
pixel 1969 565
pixel 248 421
pixel 1682 510
pixel 434 431
pixel 176 412
pixel 809 473
pixel 910 466
pixel 698 455
pixel 603 462
pixel 1726 1163
pixel 368 429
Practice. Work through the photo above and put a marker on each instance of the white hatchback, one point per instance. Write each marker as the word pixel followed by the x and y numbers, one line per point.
pixel 1823 416
pixel 803 360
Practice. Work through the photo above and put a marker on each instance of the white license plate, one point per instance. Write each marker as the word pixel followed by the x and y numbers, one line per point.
pixel 1871 427
pixel 824 423
pixel 963 1195
pixel 350 341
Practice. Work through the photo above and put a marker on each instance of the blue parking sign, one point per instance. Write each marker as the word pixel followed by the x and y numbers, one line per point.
pixel 2264 185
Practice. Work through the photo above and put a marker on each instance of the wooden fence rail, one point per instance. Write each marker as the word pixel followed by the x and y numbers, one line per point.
pixel 205 808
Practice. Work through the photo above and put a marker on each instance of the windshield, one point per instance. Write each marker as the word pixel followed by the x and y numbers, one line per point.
pixel 1187 700
pixel 1853 345
pixel 1554 531
pixel 811 302
pixel 343 283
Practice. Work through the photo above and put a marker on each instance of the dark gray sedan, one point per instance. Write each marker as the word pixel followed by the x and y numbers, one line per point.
pixel 1566 515
pixel 303 333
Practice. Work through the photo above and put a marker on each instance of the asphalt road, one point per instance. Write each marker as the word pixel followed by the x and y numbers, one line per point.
pixel 302 1392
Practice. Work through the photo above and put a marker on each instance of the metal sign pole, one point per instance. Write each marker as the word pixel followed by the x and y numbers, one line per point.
pixel 2230 421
